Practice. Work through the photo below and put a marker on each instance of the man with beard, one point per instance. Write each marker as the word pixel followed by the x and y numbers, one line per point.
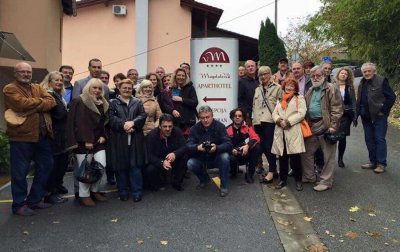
pixel 29 139
pixel 324 110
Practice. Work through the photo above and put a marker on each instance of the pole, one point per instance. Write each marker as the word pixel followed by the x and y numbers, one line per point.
pixel 276 15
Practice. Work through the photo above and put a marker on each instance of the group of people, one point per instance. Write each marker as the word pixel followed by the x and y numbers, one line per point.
pixel 279 103
pixel 141 132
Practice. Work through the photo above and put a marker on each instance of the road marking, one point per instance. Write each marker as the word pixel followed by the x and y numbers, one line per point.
pixel 216 181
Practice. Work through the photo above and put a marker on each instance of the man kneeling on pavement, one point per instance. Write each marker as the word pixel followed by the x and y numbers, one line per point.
pixel 167 152
pixel 209 147
pixel 246 145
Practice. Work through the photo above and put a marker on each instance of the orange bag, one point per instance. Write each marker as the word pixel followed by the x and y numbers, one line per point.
pixel 305 129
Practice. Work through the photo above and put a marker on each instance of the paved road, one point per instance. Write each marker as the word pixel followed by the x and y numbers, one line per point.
pixel 202 221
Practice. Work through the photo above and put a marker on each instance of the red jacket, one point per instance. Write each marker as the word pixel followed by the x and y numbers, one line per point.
pixel 248 133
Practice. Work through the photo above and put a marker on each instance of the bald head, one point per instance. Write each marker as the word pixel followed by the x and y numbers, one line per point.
pixel 250 66
pixel 297 70
pixel 23 73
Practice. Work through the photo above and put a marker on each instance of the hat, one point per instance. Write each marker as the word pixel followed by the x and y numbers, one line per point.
pixel 283 59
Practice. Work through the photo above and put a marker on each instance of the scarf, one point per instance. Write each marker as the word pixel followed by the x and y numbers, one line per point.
pixel 285 97
pixel 96 101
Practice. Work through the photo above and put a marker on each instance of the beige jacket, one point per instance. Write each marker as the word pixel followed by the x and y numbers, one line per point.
pixel 331 104
pixel 261 113
pixel 153 112
pixel 294 113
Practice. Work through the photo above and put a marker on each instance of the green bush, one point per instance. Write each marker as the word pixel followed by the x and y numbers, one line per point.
pixel 4 155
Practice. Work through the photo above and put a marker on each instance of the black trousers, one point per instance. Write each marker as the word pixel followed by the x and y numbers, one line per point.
pixel 295 164
pixel 57 174
pixel 251 158
pixel 265 131
pixel 153 175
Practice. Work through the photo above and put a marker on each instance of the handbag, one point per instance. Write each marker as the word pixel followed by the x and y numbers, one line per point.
pixel 13 118
pixel 305 129
pixel 89 172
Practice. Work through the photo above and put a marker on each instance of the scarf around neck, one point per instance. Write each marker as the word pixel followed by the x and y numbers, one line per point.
pixel 285 97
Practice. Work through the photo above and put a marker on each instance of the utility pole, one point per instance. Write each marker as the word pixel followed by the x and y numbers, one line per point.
pixel 276 15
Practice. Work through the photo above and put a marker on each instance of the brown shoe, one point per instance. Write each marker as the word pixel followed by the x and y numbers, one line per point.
pixel 379 169
pixel 99 197
pixel 368 166
pixel 87 201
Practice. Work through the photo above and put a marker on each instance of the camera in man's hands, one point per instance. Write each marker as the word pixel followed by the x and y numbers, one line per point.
pixel 206 146
pixel 239 151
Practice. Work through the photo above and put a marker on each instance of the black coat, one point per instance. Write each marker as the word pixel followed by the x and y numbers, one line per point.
pixel 187 108
pixel 59 115
pixel 124 156
pixel 161 147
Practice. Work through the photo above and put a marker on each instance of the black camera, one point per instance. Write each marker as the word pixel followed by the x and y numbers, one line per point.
pixel 239 151
pixel 206 146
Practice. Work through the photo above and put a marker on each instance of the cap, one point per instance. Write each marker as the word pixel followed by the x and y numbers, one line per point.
pixel 283 60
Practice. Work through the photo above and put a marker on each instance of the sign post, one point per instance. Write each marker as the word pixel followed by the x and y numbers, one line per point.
pixel 214 63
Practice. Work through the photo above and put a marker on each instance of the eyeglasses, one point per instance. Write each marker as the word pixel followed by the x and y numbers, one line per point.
pixel 316 76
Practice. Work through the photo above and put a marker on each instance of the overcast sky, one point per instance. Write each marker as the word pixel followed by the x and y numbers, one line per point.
pixel 249 25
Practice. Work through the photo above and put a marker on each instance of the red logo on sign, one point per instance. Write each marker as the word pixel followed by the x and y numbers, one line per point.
pixel 214 55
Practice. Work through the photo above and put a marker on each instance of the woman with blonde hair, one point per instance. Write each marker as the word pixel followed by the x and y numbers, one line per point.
pixel 344 80
pixel 184 99
pixel 53 83
pixel 150 104
pixel 86 134
pixel 265 99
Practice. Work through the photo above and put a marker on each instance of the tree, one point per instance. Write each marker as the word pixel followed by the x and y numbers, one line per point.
pixel 369 29
pixel 270 46
pixel 301 46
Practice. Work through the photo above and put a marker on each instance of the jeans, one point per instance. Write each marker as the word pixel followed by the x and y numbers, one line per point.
pixel 21 155
pixel 375 139
pixel 130 179
pixel 251 158
pixel 221 161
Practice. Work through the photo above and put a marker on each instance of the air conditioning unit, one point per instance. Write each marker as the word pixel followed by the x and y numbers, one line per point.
pixel 119 10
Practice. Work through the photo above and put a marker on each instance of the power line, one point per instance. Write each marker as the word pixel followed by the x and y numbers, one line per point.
pixel 178 40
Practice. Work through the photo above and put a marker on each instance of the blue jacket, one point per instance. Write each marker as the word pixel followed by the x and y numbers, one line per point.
pixel 216 134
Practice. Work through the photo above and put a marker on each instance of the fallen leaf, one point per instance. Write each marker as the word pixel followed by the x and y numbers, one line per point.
pixel 283 195
pixel 385 228
pixel 327 232
pixel 387 244
pixel 316 247
pixel 208 246
pixel 373 234
pixel 283 221
pixel 354 209
pixel 333 236
pixel 393 220
pixel 26 233
pixel 139 242
pixel 114 220
pixel 395 241
pixel 307 218
pixel 56 222
pixel 352 219
pixel 263 232
pixel 352 234
pixel 165 243
pixel 341 240
pixel 372 214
